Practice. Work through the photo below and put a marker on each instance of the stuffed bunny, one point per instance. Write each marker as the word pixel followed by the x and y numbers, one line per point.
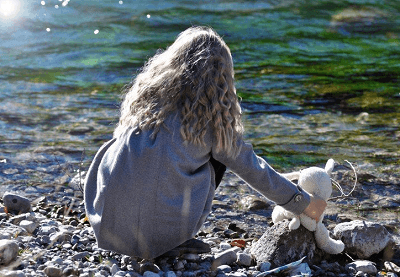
pixel 315 181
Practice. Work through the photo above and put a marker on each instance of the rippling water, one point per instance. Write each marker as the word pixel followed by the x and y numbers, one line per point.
pixel 318 79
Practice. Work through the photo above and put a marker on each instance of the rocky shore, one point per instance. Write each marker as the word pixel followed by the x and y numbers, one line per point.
pixel 50 236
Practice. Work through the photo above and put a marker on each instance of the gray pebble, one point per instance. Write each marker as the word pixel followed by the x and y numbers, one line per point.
pixel 150 274
pixel 53 271
pixel 8 251
pixel 244 259
pixel 15 203
pixel 29 226
pixel 224 268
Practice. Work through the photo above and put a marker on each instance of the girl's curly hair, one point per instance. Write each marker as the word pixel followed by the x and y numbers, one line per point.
pixel 195 75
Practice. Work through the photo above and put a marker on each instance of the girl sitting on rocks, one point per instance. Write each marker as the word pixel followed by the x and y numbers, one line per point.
pixel 151 187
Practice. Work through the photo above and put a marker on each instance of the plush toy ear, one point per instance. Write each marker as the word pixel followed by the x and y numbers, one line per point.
pixel 330 164
pixel 292 175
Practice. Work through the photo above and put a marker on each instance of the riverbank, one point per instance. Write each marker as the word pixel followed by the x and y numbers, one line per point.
pixel 60 242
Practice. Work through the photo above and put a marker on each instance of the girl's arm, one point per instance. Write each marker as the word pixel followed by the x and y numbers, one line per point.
pixel 261 176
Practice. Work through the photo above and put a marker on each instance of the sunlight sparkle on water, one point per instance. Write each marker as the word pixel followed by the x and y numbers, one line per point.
pixel 9 8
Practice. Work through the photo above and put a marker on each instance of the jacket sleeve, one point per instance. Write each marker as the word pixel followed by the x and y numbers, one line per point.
pixel 261 176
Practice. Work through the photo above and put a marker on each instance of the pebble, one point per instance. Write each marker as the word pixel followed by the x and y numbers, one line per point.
pixel 367 267
pixel 8 251
pixel 16 203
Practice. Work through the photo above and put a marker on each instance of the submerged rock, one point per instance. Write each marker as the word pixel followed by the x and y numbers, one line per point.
pixel 361 20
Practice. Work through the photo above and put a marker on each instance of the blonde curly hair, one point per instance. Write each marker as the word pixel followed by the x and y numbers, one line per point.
pixel 195 75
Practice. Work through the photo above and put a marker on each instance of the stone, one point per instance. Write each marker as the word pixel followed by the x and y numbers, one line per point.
pixel 191 257
pixel 148 266
pixel 392 267
pixel 280 246
pixel 363 266
pixel 12 273
pixel 224 268
pixel 79 256
pixel 16 204
pixel 29 226
pixel 150 274
pixel 226 257
pixel 53 271
pixel 243 259
pixel 362 238
pixel 8 251
pixel 169 274
pixel 114 269
pixel 264 266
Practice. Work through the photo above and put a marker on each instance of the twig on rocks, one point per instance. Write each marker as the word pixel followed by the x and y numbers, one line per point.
pixel 341 189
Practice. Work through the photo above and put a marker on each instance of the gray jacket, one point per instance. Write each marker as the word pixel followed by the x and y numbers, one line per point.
pixel 146 196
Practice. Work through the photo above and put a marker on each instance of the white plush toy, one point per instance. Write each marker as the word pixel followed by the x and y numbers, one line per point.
pixel 315 181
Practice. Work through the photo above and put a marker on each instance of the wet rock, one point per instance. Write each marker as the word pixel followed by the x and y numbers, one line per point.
pixel 367 267
pixel 279 245
pixel 361 20
pixel 16 204
pixel 8 251
pixel 362 238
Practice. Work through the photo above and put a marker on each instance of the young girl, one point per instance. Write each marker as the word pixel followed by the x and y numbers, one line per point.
pixel 150 188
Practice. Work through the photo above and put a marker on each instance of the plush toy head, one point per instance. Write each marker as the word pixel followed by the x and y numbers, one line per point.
pixel 316 181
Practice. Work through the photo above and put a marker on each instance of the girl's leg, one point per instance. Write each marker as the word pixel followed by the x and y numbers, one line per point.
pixel 219 169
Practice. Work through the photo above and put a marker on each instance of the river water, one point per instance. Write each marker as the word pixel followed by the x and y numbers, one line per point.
pixel 318 79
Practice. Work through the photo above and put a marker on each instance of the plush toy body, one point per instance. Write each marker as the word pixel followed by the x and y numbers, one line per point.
pixel 317 182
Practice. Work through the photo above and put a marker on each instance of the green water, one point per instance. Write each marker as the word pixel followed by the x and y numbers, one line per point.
pixel 315 82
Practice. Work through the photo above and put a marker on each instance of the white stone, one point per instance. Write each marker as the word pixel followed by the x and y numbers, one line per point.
pixel 225 258
pixel 364 266
pixel 225 246
pixel 225 268
pixel 114 269
pixel 29 226
pixel 244 259
pixel 12 273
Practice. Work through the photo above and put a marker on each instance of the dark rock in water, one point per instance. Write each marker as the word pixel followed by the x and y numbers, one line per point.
pixel 16 204
pixel 279 245
pixel 362 20
pixel 362 238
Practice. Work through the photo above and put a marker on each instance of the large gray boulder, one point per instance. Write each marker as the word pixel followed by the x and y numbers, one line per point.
pixel 279 245
pixel 362 238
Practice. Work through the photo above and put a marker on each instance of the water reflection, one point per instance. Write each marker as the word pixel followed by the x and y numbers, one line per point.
pixel 9 8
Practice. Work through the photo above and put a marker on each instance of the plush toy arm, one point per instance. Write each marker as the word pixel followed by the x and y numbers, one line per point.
pixel 326 243
pixel 309 223
pixel 279 214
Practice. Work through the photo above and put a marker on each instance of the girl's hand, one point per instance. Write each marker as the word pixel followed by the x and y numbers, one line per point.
pixel 315 208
